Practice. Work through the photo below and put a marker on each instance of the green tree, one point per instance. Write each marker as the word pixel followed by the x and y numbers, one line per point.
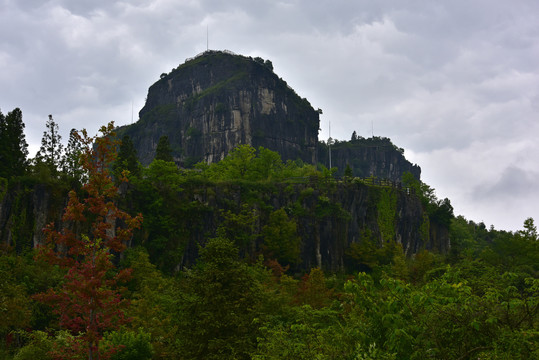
pixel 72 154
pixel 348 172
pixel 239 226
pixel 530 230
pixel 237 165
pixel 307 334
pixel 166 222
pixel 15 307
pixel 154 300
pixel 13 146
pixel 127 159
pixel 131 345
pixel 50 152
pixel 163 150
pixel 281 240
pixel 218 305
pixel 267 165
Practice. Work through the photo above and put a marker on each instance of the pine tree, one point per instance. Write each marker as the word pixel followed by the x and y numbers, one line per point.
pixel 163 151
pixel 50 152
pixel 13 146
pixel 127 159
pixel 71 159
pixel 348 173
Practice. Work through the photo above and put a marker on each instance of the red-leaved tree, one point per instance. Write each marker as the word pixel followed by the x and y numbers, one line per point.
pixel 89 301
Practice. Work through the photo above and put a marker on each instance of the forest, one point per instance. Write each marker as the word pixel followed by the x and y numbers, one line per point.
pixel 106 285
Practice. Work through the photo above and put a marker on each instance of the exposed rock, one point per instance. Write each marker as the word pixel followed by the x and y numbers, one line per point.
pixel 218 100
pixel 377 157
pixel 330 218
pixel 25 210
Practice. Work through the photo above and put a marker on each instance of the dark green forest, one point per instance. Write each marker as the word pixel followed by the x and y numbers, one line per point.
pixel 128 267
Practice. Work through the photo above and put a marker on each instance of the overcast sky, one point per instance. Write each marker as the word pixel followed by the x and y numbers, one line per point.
pixel 455 83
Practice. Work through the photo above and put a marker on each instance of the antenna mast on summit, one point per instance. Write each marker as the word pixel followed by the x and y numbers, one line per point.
pixel 207 38
pixel 330 142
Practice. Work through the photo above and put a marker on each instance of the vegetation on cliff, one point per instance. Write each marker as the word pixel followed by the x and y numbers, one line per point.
pixel 256 258
pixel 365 157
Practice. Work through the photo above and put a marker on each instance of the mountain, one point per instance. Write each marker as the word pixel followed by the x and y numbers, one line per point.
pixel 218 100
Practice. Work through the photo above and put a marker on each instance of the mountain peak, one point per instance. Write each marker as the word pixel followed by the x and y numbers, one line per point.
pixel 218 100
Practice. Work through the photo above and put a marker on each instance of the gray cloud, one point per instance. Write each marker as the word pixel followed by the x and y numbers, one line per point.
pixel 454 83
pixel 513 183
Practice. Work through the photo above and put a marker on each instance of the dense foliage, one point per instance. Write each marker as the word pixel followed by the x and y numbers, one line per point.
pixel 246 297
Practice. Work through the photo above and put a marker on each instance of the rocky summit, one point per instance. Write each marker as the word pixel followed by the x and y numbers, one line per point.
pixel 217 101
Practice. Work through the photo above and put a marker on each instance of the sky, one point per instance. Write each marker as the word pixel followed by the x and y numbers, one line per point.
pixel 455 83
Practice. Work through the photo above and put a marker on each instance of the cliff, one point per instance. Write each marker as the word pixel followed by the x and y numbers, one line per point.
pixel 377 157
pixel 25 209
pixel 330 217
pixel 218 100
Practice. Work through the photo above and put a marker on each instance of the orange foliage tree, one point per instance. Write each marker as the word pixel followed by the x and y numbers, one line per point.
pixel 89 301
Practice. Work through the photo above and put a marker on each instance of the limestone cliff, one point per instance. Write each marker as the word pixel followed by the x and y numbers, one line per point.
pixel 330 218
pixel 218 100
pixel 376 156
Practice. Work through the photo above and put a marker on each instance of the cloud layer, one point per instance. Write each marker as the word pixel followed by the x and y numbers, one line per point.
pixel 454 83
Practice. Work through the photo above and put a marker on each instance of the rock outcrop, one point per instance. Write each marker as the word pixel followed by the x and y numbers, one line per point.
pixel 373 157
pixel 330 218
pixel 218 100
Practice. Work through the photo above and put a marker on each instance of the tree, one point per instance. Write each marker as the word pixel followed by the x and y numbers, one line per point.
pixel 218 305
pixel 163 151
pixel 530 230
pixel 267 164
pixel 132 346
pixel 13 146
pixel 268 64
pixel 154 300
pixel 89 301
pixel 238 164
pixel 354 136
pixel 50 152
pixel 281 239
pixel 127 159
pixel 157 193
pixel 71 160
pixel 313 291
pixel 348 172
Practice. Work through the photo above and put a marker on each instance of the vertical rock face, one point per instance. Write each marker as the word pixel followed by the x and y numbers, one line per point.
pixel 218 100
pixel 376 156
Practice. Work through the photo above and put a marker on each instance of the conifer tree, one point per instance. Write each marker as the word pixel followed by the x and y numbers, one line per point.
pixel 13 146
pixel 127 158
pixel 71 159
pixel 348 173
pixel 50 152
